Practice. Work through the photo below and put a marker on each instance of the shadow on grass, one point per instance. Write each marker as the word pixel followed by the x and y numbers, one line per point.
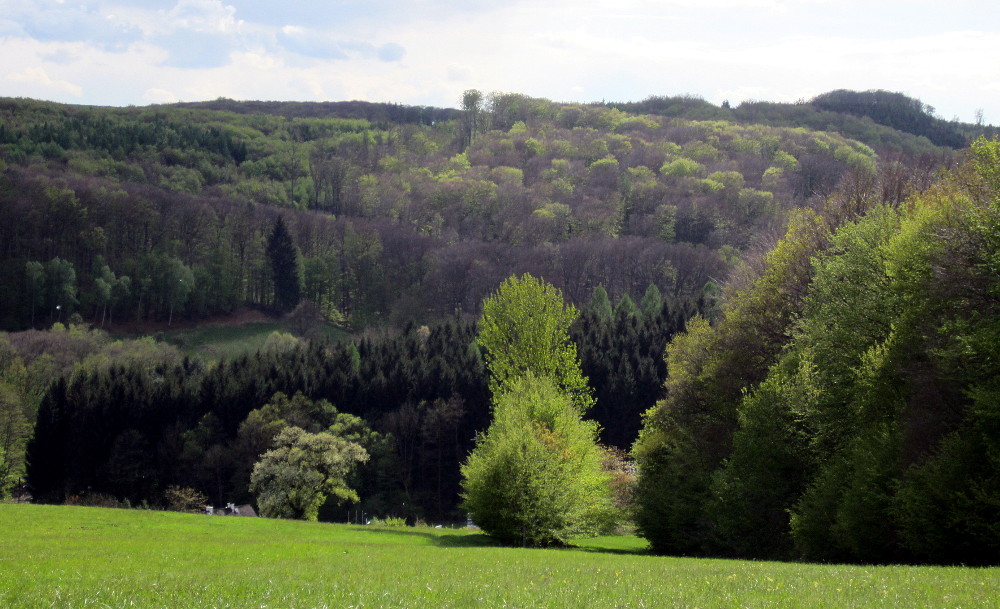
pixel 608 549
pixel 445 538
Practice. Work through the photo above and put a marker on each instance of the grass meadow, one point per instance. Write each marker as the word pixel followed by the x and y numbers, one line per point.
pixel 212 342
pixel 58 556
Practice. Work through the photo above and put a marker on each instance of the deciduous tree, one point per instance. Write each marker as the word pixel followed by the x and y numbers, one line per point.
pixel 535 476
pixel 295 478
pixel 525 330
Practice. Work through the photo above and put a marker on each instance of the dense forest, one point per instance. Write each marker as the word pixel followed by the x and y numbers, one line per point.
pixel 394 223
pixel 404 215
pixel 845 406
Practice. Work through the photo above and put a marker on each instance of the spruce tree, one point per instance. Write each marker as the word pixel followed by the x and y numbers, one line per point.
pixel 284 267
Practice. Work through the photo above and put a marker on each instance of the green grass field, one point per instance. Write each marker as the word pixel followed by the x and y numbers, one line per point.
pixel 91 557
pixel 221 341
pixel 212 342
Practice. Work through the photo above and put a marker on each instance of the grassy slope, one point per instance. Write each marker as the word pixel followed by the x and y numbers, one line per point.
pixel 81 557
pixel 214 341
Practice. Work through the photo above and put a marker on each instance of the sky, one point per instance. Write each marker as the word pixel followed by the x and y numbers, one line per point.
pixel 427 52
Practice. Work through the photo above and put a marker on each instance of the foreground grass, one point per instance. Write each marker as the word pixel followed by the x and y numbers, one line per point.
pixel 90 557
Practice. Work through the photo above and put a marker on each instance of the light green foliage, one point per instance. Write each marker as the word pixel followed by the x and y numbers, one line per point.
pixel 875 437
pixel 507 176
pixel 772 177
pixel 783 160
pixel 262 425
pixel 604 172
pixel 681 167
pixel 295 478
pixel 525 329
pixel 14 433
pixel 145 352
pixel 730 180
pixel 688 435
pixel 856 159
pixel 389 522
pixel 710 186
pixel 533 146
pixel 700 151
pixel 555 221
pixel 636 123
pixel 986 155
pixel 280 342
pixel 755 203
pixel 19 395
pixel 535 476
pixel 560 168
pixel 459 162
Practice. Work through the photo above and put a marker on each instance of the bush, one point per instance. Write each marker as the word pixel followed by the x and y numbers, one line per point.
pixel 535 476
pixel 184 499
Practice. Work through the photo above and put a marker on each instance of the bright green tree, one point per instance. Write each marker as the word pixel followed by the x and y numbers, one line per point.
pixel 535 477
pixel 295 478
pixel 525 329
pixel 14 433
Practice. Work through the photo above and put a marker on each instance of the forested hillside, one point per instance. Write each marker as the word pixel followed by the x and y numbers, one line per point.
pixel 845 406
pixel 395 223
pixel 408 213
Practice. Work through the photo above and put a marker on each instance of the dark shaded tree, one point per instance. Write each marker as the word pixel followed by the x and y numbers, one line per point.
pixel 285 270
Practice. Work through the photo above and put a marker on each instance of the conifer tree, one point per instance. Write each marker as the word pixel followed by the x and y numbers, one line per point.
pixel 285 270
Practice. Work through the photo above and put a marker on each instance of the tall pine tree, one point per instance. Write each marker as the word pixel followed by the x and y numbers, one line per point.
pixel 284 267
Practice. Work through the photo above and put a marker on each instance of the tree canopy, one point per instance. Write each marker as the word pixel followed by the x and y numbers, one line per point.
pixel 525 330
pixel 861 425
pixel 535 477
pixel 293 479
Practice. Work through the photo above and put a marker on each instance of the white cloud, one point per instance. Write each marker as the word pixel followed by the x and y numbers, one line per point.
pixel 207 16
pixel 428 52
pixel 159 96
pixel 39 80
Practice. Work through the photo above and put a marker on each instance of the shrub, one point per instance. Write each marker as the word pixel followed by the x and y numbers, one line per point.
pixel 535 476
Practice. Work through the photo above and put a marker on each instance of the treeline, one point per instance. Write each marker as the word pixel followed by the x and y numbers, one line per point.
pixel 132 427
pixel 376 113
pixel 891 123
pixel 391 221
pixel 900 112
pixel 845 406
